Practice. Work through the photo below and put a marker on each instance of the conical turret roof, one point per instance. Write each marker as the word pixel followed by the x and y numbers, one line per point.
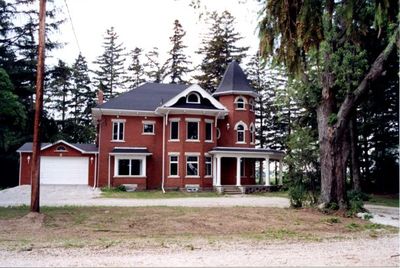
pixel 234 81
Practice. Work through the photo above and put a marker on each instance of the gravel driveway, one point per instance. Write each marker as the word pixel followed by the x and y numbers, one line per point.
pixel 52 195
pixel 361 252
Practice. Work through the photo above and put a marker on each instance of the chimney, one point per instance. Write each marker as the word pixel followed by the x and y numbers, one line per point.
pixel 100 96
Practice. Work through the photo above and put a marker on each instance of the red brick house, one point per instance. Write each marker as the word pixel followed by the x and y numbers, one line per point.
pixel 166 136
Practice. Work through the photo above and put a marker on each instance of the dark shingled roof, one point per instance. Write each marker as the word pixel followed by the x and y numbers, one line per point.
pixel 234 79
pixel 146 97
pixel 250 150
pixel 122 150
pixel 86 147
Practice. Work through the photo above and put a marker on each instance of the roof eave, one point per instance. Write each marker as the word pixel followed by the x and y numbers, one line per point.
pixel 237 92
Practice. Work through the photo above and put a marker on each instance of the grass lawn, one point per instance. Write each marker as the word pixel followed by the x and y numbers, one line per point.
pixel 384 200
pixel 182 227
pixel 111 193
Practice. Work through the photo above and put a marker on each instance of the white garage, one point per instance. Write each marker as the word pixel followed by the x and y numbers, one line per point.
pixel 64 170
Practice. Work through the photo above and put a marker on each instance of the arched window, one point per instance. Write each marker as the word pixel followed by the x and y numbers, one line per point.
pixel 193 98
pixel 251 104
pixel 252 134
pixel 240 103
pixel 240 132
pixel 61 148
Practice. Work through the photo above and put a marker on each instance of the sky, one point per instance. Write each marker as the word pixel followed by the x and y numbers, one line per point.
pixel 147 23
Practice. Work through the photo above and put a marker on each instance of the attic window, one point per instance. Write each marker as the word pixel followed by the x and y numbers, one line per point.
pixel 61 148
pixel 193 98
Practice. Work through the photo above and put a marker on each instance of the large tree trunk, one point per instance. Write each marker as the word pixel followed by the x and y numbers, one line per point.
pixel 355 165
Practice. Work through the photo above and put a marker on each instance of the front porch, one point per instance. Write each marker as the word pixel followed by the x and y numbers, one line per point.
pixel 246 170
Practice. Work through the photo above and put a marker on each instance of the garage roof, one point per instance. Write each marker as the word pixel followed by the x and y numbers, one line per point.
pixel 83 147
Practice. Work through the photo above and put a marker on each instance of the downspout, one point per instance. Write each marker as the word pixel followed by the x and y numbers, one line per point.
pixel 95 172
pixel 20 168
pixel 109 165
pixel 163 152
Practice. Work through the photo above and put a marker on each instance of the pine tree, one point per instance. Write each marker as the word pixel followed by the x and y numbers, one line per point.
pixel 136 70
pixel 177 64
pixel 83 97
pixel 58 92
pixel 219 49
pixel 154 70
pixel 111 71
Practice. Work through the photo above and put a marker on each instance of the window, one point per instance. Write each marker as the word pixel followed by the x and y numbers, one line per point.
pixel 208 166
pixel 251 103
pixel 192 131
pixel 173 165
pixel 208 131
pixel 174 130
pixel 118 130
pixel 192 166
pixel 240 134
pixel 61 148
pixel 193 98
pixel 218 133
pixel 129 167
pixel 240 102
pixel 252 134
pixel 148 128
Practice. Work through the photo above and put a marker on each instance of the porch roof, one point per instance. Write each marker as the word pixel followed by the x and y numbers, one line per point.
pixel 247 152
pixel 130 151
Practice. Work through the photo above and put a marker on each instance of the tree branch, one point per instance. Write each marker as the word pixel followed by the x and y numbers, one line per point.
pixel 353 99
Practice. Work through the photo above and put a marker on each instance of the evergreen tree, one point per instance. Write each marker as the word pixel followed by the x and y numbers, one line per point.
pixel 154 70
pixel 136 70
pixel 177 63
pixel 111 70
pixel 58 92
pixel 219 48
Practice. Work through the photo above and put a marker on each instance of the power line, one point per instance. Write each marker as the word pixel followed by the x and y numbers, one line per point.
pixel 72 26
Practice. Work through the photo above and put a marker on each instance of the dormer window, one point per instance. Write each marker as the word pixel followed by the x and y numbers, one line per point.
pixel 193 98
pixel 240 103
pixel 61 148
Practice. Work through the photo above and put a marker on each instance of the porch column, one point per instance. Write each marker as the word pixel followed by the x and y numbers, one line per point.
pixel 214 171
pixel 266 170
pixel 238 167
pixel 218 170
pixel 280 172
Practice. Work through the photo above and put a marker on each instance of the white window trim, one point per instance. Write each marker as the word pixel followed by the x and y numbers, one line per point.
pixel 177 167
pixel 197 120
pixel 252 105
pixel 177 120
pixel 192 102
pixel 211 162
pixel 186 163
pixel 127 157
pixel 192 119
pixel 205 131
pixel 244 103
pixel 123 121
pixel 252 134
pixel 149 123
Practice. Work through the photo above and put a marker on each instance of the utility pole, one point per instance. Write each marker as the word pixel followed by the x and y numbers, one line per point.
pixel 35 171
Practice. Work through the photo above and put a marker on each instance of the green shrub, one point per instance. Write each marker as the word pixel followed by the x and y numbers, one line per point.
pixel 121 188
pixel 356 202
pixel 297 194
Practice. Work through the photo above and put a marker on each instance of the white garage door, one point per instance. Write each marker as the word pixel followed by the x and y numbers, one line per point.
pixel 64 170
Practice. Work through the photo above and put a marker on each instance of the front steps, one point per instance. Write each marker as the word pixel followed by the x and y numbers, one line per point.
pixel 231 190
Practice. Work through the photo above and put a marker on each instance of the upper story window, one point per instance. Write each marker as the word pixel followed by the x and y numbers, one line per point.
pixel 252 134
pixel 240 132
pixel 192 129
pixel 251 104
pixel 209 135
pixel 174 130
pixel 118 130
pixel 240 103
pixel 193 98
pixel 148 127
